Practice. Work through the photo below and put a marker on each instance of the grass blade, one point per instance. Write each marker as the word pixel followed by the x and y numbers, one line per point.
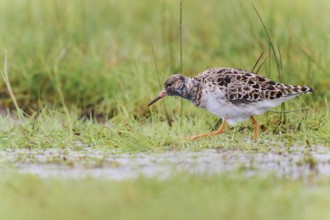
pixel 257 62
pixel 277 60
pixel 280 73
pixel 181 67
pixel 261 64
pixel 268 36
pixel 8 85
pixel 169 121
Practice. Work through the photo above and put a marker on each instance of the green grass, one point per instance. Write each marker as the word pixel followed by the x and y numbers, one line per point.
pixel 50 129
pixel 180 197
pixel 96 54
pixel 83 72
pixel 95 60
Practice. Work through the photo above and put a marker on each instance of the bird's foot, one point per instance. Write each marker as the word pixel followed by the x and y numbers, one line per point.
pixel 220 131
pixel 193 138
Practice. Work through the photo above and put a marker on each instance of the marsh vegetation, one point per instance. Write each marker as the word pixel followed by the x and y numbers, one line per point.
pixel 78 77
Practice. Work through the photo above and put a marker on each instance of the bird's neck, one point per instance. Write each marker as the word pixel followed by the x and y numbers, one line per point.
pixel 193 91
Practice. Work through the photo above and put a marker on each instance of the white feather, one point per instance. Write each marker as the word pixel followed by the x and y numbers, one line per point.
pixel 234 113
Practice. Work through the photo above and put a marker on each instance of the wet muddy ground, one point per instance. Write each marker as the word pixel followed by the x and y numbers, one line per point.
pixel 297 162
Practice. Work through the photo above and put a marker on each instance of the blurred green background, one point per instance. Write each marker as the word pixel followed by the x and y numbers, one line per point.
pixel 96 53
pixel 68 60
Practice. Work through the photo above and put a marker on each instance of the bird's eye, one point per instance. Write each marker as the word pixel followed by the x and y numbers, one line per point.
pixel 169 85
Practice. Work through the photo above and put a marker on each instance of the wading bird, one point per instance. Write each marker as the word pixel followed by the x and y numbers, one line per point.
pixel 232 94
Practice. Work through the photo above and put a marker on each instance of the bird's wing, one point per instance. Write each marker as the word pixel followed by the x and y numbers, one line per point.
pixel 249 87
pixel 242 87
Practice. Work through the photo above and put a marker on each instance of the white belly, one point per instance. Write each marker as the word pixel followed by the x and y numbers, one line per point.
pixel 237 113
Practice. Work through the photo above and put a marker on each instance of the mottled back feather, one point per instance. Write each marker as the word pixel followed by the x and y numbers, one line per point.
pixel 243 87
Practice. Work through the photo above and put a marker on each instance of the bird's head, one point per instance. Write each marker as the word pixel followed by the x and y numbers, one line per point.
pixel 175 85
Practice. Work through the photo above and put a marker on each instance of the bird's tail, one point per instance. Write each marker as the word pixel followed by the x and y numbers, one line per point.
pixel 290 90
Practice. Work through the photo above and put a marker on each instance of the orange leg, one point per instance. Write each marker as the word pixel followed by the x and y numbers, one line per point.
pixel 220 131
pixel 255 124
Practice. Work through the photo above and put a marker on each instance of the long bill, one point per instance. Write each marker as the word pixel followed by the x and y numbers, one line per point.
pixel 161 95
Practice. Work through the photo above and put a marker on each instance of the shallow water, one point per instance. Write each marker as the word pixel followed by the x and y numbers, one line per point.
pixel 67 163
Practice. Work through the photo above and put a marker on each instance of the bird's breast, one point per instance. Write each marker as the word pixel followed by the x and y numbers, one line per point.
pixel 214 101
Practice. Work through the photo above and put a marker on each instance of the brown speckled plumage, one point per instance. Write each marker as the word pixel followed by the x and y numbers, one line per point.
pixel 242 87
pixel 232 94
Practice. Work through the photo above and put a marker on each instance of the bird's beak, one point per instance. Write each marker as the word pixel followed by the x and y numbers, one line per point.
pixel 161 95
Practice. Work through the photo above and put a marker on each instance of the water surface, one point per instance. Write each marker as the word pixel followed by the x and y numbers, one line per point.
pixel 87 162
